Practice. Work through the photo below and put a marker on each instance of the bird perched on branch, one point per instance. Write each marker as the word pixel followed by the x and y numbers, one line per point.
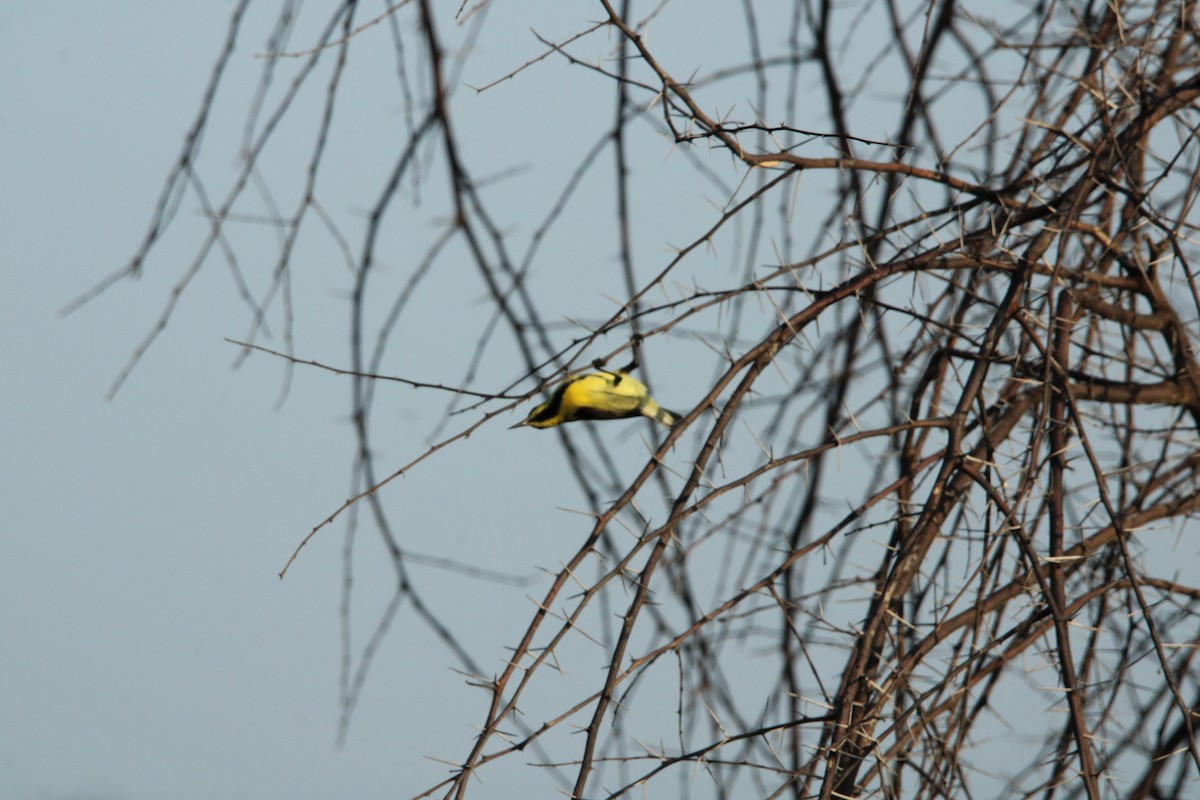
pixel 599 395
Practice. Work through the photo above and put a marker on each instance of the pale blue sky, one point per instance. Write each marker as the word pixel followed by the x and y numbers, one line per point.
pixel 148 648
pixel 150 651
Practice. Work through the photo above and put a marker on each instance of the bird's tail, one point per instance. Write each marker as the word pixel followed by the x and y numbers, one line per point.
pixel 656 412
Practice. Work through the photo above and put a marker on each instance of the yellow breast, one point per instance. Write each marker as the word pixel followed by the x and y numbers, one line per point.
pixel 603 396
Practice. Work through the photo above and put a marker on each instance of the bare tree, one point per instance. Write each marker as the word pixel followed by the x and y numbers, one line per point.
pixel 927 529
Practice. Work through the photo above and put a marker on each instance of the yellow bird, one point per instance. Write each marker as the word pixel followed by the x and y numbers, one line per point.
pixel 599 395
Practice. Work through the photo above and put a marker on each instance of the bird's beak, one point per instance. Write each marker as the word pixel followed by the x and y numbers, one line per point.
pixel 520 424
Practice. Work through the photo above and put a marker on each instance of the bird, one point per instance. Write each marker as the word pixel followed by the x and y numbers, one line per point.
pixel 599 395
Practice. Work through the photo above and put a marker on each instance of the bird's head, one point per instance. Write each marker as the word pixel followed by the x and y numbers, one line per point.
pixel 542 416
